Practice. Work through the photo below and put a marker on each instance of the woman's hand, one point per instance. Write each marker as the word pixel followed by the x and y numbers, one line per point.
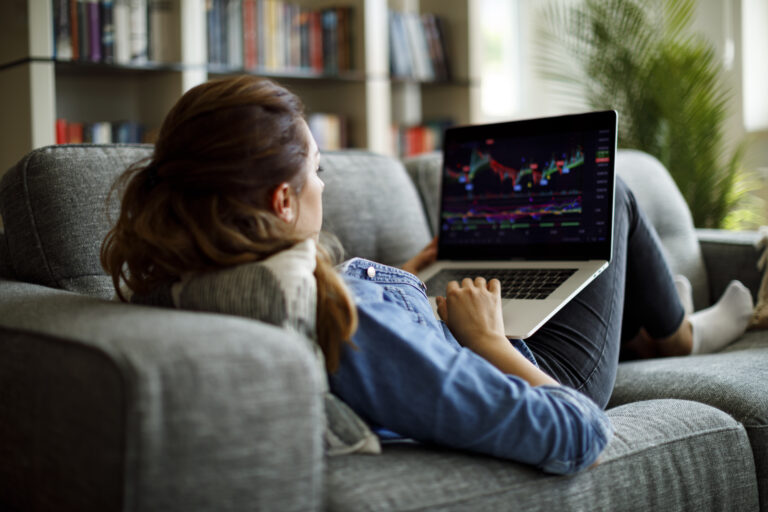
pixel 472 311
pixel 426 257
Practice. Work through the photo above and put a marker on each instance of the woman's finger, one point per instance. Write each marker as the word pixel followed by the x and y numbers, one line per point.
pixel 480 282
pixel 452 286
pixel 467 282
pixel 494 285
pixel 442 308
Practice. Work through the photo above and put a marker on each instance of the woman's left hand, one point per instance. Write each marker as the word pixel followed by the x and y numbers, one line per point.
pixel 426 257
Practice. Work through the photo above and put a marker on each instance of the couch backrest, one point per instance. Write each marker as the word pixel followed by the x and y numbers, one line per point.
pixel 654 188
pixel 372 206
pixel 53 205
pixel 6 270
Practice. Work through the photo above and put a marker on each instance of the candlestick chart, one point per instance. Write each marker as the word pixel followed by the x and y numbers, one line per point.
pixel 486 192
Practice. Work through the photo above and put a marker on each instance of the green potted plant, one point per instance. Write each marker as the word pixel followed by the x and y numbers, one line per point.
pixel 641 58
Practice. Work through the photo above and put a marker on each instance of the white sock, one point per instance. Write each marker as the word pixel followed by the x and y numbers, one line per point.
pixel 685 292
pixel 721 324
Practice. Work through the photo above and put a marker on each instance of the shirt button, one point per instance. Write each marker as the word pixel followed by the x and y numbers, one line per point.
pixel 371 272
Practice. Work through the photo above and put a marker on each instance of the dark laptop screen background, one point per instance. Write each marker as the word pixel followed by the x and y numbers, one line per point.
pixel 529 189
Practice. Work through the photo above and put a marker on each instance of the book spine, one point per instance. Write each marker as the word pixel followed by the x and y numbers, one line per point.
pixel 83 29
pixel 74 133
pixel 94 31
pixel 107 31
pixel 316 41
pixel 164 38
pixel 235 34
pixel 61 131
pixel 121 15
pixel 138 31
pixel 261 24
pixel 62 36
pixel 249 34
pixel 73 29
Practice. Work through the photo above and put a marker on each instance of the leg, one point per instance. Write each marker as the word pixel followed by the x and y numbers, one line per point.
pixel 580 345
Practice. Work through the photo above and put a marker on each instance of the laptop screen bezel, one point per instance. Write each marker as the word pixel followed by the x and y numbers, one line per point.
pixel 589 121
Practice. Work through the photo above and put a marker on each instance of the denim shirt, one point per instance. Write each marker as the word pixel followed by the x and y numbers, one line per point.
pixel 409 375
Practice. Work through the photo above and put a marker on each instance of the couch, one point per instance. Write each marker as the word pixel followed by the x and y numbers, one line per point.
pixel 112 406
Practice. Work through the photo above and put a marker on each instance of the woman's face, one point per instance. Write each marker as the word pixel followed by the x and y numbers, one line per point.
pixel 310 210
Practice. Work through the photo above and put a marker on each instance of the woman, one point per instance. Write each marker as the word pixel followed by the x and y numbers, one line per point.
pixel 226 217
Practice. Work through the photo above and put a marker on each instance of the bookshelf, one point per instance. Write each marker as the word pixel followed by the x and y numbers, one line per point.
pixel 36 88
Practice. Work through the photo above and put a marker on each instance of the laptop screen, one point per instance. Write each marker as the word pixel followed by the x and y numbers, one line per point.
pixel 533 189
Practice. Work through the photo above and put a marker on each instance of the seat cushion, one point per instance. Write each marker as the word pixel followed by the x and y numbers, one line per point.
pixel 372 206
pixel 654 188
pixel 53 205
pixel 734 381
pixel 660 459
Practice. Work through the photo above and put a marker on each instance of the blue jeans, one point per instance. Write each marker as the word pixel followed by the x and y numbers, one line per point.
pixel 580 345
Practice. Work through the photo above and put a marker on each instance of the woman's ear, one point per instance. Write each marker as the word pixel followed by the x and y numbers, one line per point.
pixel 283 202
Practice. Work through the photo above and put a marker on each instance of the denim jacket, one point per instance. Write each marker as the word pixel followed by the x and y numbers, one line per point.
pixel 409 375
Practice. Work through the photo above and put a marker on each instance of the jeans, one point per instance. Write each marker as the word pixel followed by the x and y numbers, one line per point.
pixel 579 347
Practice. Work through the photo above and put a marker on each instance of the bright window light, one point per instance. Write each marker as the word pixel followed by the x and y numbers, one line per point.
pixel 754 20
pixel 500 63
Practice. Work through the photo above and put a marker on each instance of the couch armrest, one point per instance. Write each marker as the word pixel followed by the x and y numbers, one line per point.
pixel 730 255
pixel 212 412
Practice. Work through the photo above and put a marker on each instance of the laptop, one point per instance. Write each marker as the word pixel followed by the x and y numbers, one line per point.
pixel 529 202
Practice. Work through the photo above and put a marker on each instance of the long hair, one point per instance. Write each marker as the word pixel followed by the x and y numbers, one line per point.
pixel 201 203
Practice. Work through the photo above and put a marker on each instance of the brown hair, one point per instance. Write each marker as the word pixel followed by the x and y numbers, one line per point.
pixel 201 202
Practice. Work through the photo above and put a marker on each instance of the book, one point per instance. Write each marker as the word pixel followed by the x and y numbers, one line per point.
pixel 61 131
pixel 74 31
pixel 94 30
pixel 107 31
pixel 62 38
pixel 250 40
pixel 164 38
pixel 83 30
pixel 121 20
pixel 138 31
pixel 235 37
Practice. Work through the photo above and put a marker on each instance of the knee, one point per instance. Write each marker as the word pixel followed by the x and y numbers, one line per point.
pixel 625 199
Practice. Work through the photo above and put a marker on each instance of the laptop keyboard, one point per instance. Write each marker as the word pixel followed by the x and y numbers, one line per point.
pixel 535 284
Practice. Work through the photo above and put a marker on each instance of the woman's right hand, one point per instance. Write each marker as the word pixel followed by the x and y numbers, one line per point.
pixel 472 311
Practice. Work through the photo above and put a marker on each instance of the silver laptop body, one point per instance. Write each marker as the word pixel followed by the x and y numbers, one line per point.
pixel 535 195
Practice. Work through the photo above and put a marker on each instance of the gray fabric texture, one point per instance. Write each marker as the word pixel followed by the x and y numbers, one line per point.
pixel 734 381
pixel 54 212
pixel 372 207
pixel 730 255
pixel 656 193
pixel 253 290
pixel 660 459
pixel 6 269
pixel 49 386
pixel 219 412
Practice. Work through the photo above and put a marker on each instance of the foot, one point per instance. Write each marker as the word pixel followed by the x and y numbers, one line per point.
pixel 722 324
pixel 684 292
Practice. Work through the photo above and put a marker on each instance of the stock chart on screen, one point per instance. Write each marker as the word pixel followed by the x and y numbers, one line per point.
pixel 527 189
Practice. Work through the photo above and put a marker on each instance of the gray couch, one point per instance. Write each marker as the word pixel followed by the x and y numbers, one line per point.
pixel 110 406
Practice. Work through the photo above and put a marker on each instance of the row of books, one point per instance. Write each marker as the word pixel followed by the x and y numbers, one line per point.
pixel 329 131
pixel 413 140
pixel 105 132
pixel 116 31
pixel 417 47
pixel 279 35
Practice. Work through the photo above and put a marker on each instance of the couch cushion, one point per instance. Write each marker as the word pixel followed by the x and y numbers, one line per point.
pixel 649 181
pixel 660 459
pixel 734 380
pixel 371 205
pixel 54 211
